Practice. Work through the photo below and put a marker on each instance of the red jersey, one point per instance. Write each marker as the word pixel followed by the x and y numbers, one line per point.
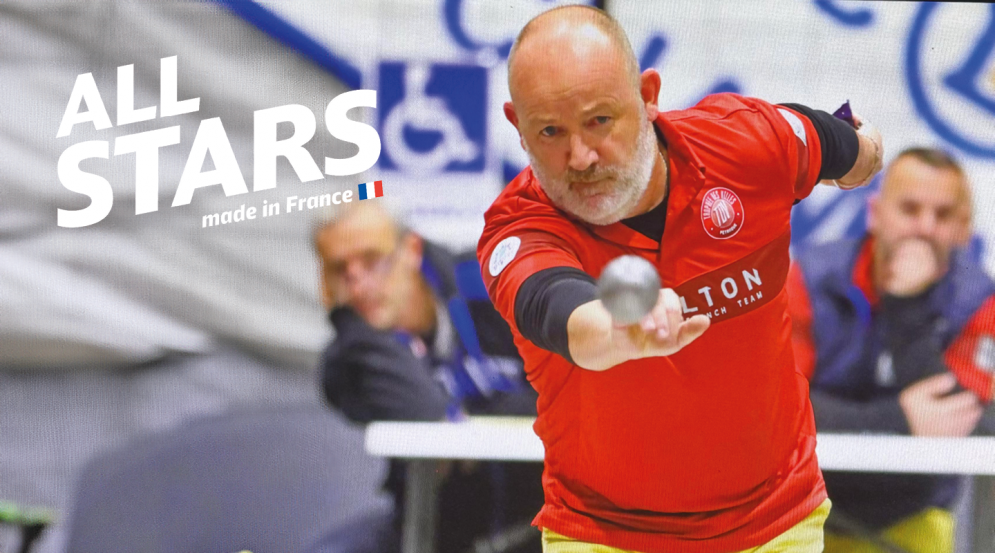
pixel 711 449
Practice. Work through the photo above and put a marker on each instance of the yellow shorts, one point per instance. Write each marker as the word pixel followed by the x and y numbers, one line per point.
pixel 930 531
pixel 804 537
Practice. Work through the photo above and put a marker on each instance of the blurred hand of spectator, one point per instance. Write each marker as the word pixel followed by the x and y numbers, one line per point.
pixel 931 410
pixel 914 266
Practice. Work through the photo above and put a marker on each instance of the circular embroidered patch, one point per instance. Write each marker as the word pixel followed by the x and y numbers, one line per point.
pixel 721 213
pixel 503 254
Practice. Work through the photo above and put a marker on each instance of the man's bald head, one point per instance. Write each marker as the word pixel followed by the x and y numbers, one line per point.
pixel 570 31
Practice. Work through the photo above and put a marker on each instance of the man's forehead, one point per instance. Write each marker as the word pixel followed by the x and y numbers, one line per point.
pixel 554 106
pixel 357 233
pixel 911 179
pixel 576 88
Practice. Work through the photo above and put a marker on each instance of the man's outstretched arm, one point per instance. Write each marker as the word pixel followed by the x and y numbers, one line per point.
pixel 558 310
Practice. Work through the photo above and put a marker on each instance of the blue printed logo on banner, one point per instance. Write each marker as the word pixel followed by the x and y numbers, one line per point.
pixel 847 16
pixel 958 100
pixel 433 117
pixel 829 215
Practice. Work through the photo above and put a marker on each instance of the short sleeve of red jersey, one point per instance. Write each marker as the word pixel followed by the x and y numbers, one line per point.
pixel 783 141
pixel 803 152
pixel 513 255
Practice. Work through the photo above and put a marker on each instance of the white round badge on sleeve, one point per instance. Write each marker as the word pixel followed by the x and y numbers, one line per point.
pixel 796 124
pixel 503 254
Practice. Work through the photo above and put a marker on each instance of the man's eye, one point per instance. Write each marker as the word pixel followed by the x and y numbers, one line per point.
pixel 549 131
pixel 335 269
pixel 602 119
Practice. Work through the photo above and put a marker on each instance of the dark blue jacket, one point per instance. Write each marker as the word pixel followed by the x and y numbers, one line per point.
pixel 864 357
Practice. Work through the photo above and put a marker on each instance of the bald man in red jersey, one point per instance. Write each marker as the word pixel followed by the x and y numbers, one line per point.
pixel 672 434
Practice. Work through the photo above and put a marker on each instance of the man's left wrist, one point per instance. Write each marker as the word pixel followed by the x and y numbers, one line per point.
pixel 875 163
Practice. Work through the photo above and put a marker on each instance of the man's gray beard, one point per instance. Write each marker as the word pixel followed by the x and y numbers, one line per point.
pixel 629 183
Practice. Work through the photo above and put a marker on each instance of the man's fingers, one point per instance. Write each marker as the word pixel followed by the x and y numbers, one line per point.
pixel 656 318
pixel 648 323
pixel 962 401
pixel 966 418
pixel 664 328
pixel 939 385
pixel 691 329
pixel 672 314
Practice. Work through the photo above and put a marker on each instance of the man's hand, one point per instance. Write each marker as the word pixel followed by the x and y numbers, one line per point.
pixel 870 157
pixel 930 412
pixel 663 331
pixel 597 343
pixel 912 267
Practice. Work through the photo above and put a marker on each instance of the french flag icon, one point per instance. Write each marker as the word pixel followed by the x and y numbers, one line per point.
pixel 369 190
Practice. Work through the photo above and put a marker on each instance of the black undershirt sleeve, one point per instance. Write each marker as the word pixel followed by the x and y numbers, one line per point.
pixel 544 303
pixel 838 140
pixel 546 299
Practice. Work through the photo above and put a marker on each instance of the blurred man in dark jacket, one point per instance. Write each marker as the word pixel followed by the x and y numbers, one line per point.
pixel 417 339
pixel 896 332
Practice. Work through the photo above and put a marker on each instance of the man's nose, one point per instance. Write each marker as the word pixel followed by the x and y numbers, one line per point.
pixel 927 223
pixel 353 270
pixel 357 276
pixel 582 156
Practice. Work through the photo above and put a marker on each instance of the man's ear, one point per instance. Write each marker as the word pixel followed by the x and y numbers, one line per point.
pixel 512 117
pixel 326 287
pixel 966 228
pixel 327 292
pixel 966 215
pixel 649 91
pixel 414 250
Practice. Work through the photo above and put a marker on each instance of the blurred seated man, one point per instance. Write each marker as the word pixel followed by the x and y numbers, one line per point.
pixel 896 332
pixel 418 340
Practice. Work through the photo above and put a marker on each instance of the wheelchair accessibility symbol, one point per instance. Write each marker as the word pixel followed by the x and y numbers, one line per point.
pixel 433 117
pixel 952 79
